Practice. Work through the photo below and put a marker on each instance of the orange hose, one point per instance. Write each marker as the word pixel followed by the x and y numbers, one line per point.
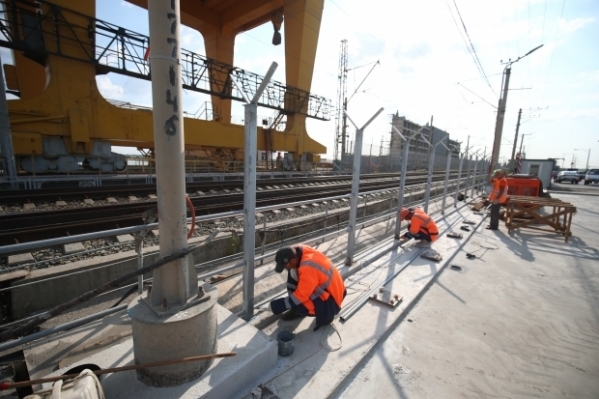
pixel 193 216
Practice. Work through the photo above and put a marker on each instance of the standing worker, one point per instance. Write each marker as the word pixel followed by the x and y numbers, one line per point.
pixel 314 284
pixel 498 197
pixel 422 227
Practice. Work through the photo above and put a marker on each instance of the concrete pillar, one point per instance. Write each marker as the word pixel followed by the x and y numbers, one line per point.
pixel 175 335
pixel 249 207
pixel 174 320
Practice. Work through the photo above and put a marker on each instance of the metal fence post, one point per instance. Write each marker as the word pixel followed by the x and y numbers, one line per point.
pixel 351 231
pixel 249 190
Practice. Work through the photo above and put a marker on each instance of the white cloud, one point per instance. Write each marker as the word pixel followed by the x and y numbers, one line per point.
pixel 567 27
pixel 108 89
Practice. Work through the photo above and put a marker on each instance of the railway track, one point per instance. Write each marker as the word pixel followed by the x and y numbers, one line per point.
pixel 33 226
pixel 20 197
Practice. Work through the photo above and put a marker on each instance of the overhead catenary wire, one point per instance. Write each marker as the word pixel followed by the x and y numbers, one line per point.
pixel 470 46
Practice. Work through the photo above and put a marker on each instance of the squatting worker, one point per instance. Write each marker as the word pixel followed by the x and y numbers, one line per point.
pixel 421 227
pixel 498 197
pixel 314 284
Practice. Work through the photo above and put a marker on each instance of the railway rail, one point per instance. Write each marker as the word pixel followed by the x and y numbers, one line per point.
pixel 19 197
pixel 33 226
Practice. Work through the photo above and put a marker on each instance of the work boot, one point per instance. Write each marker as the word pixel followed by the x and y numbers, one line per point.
pixel 291 314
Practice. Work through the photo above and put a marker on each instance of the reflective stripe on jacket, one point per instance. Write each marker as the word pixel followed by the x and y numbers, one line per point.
pixel 421 222
pixel 499 192
pixel 317 278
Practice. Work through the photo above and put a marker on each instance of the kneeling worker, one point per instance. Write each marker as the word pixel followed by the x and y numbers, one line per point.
pixel 422 227
pixel 315 286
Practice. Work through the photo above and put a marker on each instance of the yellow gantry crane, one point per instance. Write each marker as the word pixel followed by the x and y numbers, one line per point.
pixel 61 120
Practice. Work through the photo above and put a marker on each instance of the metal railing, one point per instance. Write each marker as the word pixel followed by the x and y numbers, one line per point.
pixel 28 27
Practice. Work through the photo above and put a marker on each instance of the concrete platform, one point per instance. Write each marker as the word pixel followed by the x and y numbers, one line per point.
pixel 109 344
pixel 520 320
pixel 322 359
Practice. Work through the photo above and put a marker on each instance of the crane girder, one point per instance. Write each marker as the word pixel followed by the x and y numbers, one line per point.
pixel 60 48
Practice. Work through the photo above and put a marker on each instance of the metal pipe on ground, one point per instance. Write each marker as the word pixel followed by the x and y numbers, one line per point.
pixel 62 327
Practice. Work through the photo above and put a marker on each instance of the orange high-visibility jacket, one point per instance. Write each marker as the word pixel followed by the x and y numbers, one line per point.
pixel 499 191
pixel 421 222
pixel 318 277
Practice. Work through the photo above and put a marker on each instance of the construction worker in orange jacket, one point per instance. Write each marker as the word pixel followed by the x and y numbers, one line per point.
pixel 422 227
pixel 314 284
pixel 498 197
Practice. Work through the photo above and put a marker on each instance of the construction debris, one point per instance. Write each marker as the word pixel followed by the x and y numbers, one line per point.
pixel 479 205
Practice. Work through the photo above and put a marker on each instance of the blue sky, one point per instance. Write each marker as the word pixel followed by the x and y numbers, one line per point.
pixel 423 52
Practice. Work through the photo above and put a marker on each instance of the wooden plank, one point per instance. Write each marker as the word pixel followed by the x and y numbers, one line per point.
pixel 545 202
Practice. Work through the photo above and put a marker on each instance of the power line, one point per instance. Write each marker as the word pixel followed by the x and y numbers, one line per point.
pixel 470 46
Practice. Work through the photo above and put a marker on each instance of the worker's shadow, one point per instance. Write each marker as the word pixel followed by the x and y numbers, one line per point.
pixel 307 343
pixel 517 242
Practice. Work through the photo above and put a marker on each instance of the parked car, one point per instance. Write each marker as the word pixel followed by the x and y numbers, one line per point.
pixel 568 175
pixel 581 174
pixel 592 176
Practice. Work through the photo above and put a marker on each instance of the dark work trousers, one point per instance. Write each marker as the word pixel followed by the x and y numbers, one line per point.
pixel 419 236
pixel 494 225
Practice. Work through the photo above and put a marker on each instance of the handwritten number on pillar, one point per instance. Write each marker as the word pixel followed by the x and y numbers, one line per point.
pixel 172 102
pixel 170 128
pixel 171 15
pixel 173 41
pixel 171 75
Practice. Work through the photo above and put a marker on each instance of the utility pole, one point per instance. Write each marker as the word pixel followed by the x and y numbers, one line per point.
pixel 501 108
pixel 500 116
pixel 588 155
pixel 522 141
pixel 515 141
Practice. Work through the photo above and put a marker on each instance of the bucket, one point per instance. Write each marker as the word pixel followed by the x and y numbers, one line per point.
pixel 286 341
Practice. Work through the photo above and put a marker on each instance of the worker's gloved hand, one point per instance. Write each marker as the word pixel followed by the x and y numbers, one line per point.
pixel 278 306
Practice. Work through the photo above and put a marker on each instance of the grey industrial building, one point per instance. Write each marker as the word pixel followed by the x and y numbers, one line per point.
pixel 419 150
